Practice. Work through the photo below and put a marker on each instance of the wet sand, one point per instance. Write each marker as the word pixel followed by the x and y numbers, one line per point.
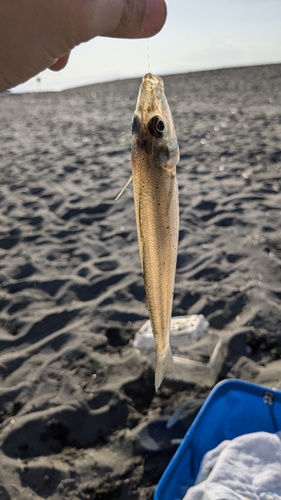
pixel 74 391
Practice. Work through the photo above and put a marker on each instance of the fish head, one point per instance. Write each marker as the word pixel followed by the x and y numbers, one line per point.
pixel 153 130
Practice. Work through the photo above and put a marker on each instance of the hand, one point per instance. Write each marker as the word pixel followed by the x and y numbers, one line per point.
pixel 39 34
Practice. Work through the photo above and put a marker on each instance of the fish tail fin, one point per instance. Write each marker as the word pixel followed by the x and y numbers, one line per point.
pixel 164 364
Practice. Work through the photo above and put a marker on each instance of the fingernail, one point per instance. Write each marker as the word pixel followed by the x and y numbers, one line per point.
pixel 155 17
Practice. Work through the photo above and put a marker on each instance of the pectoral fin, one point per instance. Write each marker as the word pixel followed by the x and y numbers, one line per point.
pixel 170 192
pixel 123 189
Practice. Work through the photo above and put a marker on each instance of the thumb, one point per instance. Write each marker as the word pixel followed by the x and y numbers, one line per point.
pixel 122 18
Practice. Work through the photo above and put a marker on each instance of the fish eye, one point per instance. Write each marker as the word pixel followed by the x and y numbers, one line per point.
pixel 156 126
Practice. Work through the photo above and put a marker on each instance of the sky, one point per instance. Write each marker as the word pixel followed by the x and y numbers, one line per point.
pixel 198 35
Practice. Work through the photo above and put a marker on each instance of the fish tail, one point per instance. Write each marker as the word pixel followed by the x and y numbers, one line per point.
pixel 164 364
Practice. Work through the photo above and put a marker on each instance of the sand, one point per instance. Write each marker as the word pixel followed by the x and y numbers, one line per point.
pixel 74 391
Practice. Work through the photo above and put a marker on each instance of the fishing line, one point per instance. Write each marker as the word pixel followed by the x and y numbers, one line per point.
pixel 148 56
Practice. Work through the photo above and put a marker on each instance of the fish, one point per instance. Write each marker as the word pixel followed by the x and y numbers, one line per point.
pixel 155 154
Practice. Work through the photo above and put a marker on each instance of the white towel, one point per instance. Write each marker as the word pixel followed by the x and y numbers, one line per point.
pixel 246 468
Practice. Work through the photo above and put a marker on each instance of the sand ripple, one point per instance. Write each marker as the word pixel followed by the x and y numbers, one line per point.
pixel 73 389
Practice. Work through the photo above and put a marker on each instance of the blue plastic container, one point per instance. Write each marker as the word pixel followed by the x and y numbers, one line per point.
pixel 233 408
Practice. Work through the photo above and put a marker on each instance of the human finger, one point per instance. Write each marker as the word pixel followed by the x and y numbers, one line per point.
pixel 60 63
pixel 123 18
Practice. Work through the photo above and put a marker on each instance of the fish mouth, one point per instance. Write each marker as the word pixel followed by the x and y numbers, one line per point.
pixel 150 79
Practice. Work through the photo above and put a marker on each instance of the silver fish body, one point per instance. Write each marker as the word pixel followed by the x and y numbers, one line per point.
pixel 155 154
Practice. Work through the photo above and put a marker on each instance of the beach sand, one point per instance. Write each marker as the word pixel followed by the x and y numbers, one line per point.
pixel 74 391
